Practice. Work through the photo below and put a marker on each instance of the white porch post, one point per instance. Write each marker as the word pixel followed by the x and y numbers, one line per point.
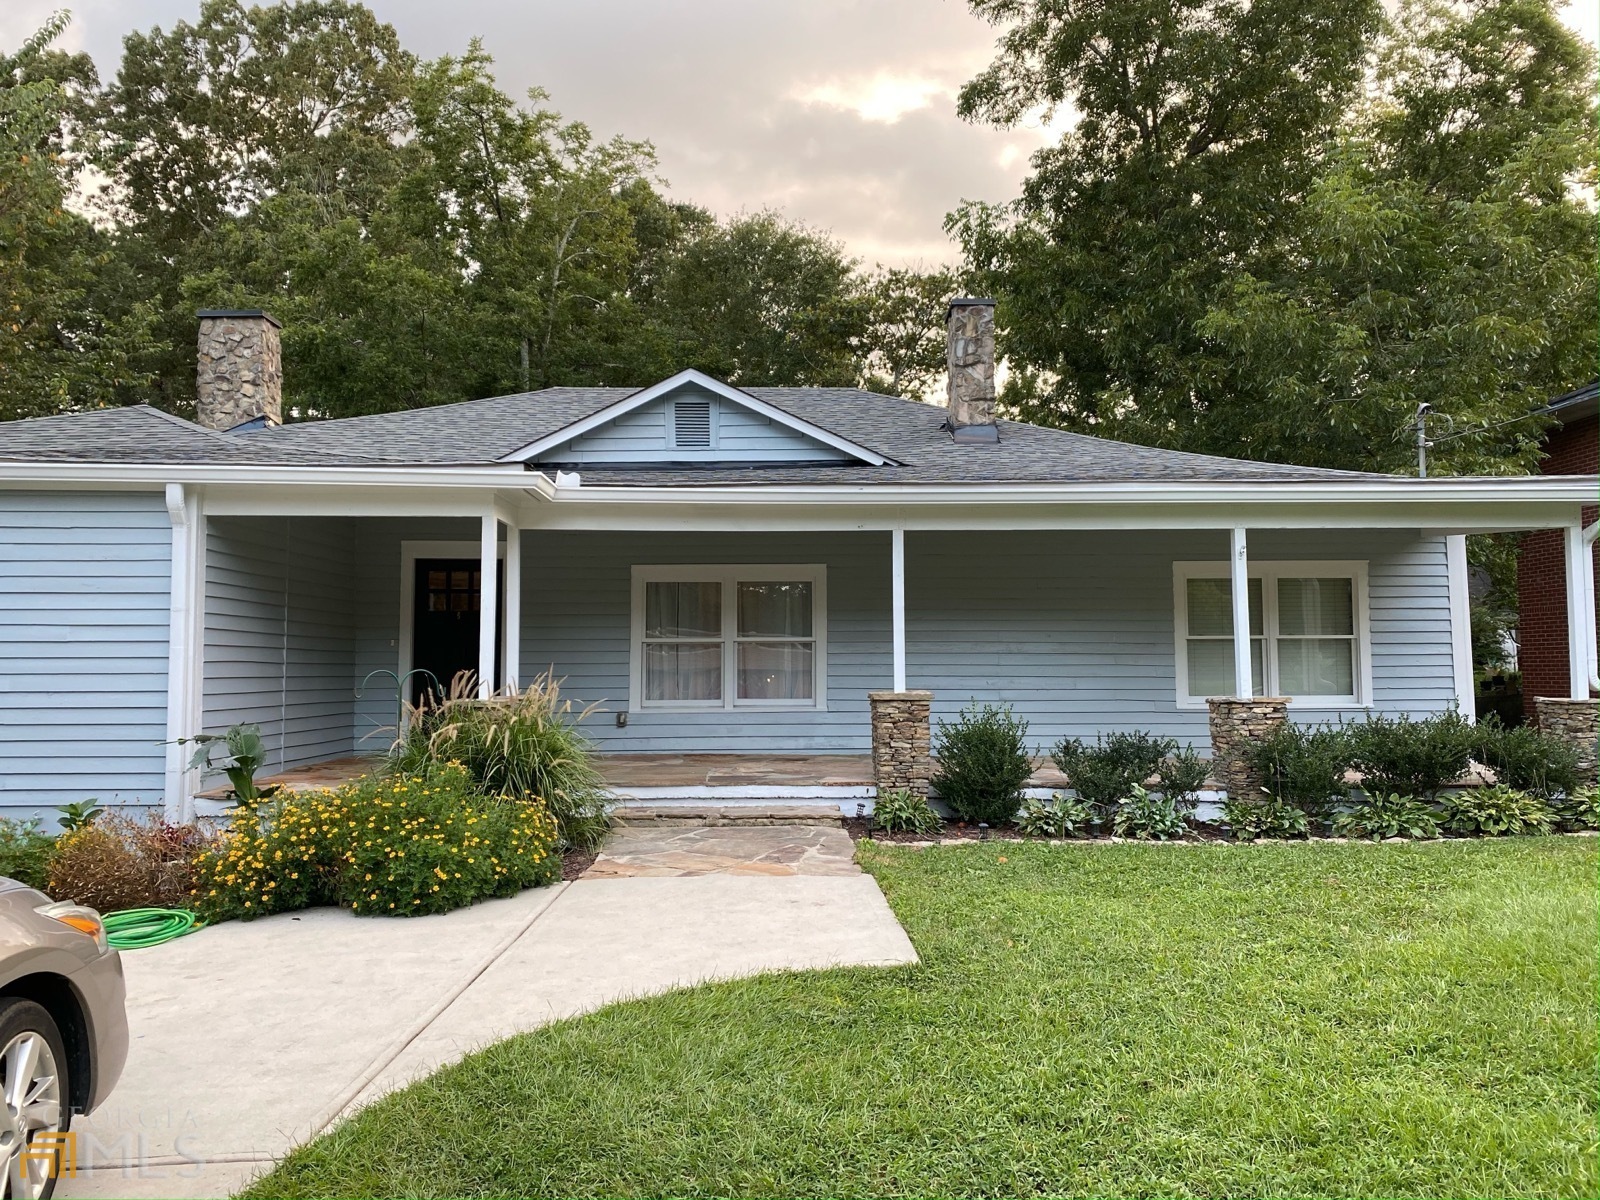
pixel 488 602
pixel 1240 579
pixel 1461 625
pixel 186 614
pixel 897 576
pixel 511 638
pixel 1580 612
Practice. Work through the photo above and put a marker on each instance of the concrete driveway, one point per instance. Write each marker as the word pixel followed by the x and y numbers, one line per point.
pixel 251 1038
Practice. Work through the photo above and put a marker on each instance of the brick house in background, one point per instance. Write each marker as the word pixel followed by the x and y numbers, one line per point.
pixel 1572 447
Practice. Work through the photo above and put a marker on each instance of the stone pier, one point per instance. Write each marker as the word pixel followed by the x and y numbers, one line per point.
pixel 1236 723
pixel 900 741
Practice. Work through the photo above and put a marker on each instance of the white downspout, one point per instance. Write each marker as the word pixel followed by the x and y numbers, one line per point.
pixel 1586 570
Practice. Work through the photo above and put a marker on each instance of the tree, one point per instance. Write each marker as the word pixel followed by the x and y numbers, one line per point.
pixel 904 343
pixel 1282 261
pixel 57 352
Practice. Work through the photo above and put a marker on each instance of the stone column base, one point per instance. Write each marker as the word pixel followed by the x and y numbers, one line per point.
pixel 900 741
pixel 1235 724
pixel 1573 721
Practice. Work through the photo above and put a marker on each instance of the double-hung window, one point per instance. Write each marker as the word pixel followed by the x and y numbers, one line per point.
pixel 718 637
pixel 1308 631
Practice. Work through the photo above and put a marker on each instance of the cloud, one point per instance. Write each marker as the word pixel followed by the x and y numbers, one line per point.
pixel 883 97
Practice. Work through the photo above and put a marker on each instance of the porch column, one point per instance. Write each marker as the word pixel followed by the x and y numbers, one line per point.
pixel 1240 578
pixel 511 638
pixel 1580 611
pixel 488 603
pixel 185 621
pixel 897 576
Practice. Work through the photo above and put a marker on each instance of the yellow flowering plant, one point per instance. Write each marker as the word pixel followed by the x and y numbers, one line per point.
pixel 398 845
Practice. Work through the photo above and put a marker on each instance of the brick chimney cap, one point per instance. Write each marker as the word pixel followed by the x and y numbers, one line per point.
pixel 240 312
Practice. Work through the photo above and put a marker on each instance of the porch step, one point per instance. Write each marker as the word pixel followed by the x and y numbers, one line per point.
pixel 679 815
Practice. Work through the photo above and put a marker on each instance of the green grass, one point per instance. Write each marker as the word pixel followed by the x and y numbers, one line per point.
pixel 1087 1020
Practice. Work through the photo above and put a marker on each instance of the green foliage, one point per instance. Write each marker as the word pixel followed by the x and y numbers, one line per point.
pixel 1495 810
pixel 402 845
pixel 1180 777
pixel 905 336
pixel 1148 817
pixel 25 852
pixel 77 814
pixel 1303 767
pixel 1579 809
pixel 1107 771
pixel 1413 758
pixel 1268 817
pixel 1058 817
pixel 1380 816
pixel 900 810
pixel 238 754
pixel 1273 228
pixel 1528 759
pixel 982 763
pixel 525 744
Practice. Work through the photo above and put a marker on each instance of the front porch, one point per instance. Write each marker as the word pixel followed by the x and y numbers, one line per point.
pixel 666 780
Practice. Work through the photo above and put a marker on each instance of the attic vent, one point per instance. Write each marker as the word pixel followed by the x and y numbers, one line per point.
pixel 691 424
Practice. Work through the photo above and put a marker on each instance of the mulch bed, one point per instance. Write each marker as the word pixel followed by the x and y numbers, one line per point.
pixel 575 862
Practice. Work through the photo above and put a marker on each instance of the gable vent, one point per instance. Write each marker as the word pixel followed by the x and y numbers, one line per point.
pixel 691 424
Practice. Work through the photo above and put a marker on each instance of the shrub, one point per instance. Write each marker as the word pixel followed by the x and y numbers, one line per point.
pixel 1496 810
pixel 1107 771
pixel 1303 768
pixel 1148 817
pixel 401 846
pixel 1388 816
pixel 1412 758
pixel 25 852
pixel 983 763
pixel 1181 775
pixel 1527 758
pixel 1577 809
pixel 1269 817
pixel 122 862
pixel 522 744
pixel 902 810
pixel 1060 816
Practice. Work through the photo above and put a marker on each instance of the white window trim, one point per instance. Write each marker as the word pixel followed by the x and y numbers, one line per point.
pixel 1269 572
pixel 729 575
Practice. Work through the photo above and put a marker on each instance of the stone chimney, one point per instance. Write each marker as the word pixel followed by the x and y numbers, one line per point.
pixel 970 357
pixel 240 374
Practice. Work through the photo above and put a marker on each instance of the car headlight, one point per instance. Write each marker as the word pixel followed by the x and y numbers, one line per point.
pixel 79 916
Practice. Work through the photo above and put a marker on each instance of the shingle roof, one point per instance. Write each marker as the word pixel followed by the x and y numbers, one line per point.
pixel 478 432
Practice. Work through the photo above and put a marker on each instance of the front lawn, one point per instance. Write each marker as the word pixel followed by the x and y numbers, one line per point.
pixel 1296 1020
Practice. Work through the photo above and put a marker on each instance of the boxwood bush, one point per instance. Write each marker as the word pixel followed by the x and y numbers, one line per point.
pixel 1527 758
pixel 401 845
pixel 1303 769
pixel 1399 756
pixel 983 763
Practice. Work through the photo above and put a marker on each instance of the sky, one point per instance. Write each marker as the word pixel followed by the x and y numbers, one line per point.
pixel 839 113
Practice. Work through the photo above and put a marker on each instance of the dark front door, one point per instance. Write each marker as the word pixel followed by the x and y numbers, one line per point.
pixel 444 621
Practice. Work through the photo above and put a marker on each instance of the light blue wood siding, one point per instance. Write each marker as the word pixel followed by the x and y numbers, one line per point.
pixel 280 634
pixel 645 435
pixel 1074 629
pixel 84 619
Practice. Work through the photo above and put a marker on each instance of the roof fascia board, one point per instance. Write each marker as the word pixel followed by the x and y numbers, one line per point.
pixel 627 404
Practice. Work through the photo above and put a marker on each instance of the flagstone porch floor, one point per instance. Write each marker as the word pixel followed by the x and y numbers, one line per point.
pixel 656 774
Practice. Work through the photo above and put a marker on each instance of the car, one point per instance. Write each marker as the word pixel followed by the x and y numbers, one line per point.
pixel 63 1030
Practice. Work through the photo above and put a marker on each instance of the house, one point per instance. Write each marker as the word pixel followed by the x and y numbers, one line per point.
pixel 1571 447
pixel 729 572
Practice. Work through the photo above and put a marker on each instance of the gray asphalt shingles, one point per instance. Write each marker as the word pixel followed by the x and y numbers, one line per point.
pixel 481 432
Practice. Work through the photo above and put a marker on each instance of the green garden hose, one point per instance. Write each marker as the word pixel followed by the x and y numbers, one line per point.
pixel 137 928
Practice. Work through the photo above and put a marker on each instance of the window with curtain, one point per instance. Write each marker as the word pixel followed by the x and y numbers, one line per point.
pixel 728 637
pixel 1305 631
